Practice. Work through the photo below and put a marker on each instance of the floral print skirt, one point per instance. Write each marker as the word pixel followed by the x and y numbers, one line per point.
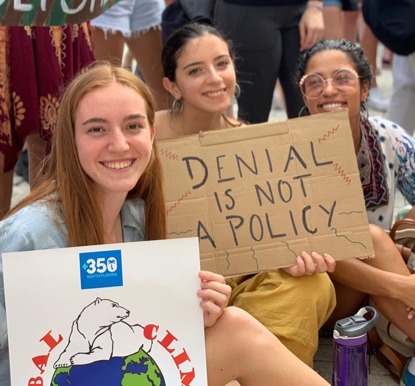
pixel 36 63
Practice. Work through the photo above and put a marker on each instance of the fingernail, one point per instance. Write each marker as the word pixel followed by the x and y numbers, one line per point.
pixel 299 258
pixel 410 317
pixel 314 254
pixel 326 256
pixel 408 309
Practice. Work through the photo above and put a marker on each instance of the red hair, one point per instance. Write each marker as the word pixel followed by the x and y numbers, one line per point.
pixel 65 182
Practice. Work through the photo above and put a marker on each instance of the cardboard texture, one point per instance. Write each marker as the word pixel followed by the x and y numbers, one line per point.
pixel 257 196
pixel 51 12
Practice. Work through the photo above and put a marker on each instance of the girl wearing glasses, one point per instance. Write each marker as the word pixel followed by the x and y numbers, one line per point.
pixel 336 74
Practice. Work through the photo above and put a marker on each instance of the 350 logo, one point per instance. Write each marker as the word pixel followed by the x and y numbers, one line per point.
pixel 100 265
pixel 101 269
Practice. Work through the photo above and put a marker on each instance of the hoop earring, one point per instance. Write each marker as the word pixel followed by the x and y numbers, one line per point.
pixel 304 112
pixel 177 106
pixel 237 92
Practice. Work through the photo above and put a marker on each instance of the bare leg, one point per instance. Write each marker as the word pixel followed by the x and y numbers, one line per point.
pixel 146 49
pixel 333 23
pixel 36 149
pixel 391 259
pixel 109 49
pixel 240 348
pixel 370 45
pixel 350 25
pixel 410 214
pixel 6 187
pixel 386 278
pixel 360 24
pixel 128 61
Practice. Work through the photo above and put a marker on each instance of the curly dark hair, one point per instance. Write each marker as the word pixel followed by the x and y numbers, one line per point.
pixel 355 54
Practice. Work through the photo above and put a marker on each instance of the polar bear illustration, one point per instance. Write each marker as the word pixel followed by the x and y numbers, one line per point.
pixel 100 333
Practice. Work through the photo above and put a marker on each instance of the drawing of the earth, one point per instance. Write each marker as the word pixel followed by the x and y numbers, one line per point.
pixel 138 369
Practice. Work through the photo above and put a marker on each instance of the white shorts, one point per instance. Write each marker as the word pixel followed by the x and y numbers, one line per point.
pixel 131 17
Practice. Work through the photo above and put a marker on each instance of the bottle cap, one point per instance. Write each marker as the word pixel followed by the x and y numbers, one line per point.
pixel 356 325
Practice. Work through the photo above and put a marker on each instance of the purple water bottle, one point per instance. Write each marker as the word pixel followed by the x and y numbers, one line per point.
pixel 349 348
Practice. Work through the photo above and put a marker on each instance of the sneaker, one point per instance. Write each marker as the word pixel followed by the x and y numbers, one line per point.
pixel 377 100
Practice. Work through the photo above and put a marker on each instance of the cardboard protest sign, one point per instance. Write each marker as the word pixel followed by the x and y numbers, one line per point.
pixel 257 196
pixel 108 315
pixel 50 12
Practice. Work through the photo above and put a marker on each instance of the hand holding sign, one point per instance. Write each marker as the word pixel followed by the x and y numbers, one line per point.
pixel 215 294
pixel 307 265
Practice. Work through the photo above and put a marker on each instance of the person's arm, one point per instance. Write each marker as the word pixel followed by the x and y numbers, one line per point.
pixel 404 147
pixel 311 24
pixel 386 275
pixel 366 278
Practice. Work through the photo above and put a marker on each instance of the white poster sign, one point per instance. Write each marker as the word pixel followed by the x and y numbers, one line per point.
pixel 107 315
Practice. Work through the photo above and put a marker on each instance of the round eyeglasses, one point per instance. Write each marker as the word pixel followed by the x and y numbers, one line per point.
pixel 343 80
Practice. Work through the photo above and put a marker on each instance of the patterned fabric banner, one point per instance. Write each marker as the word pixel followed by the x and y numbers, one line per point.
pixel 50 12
